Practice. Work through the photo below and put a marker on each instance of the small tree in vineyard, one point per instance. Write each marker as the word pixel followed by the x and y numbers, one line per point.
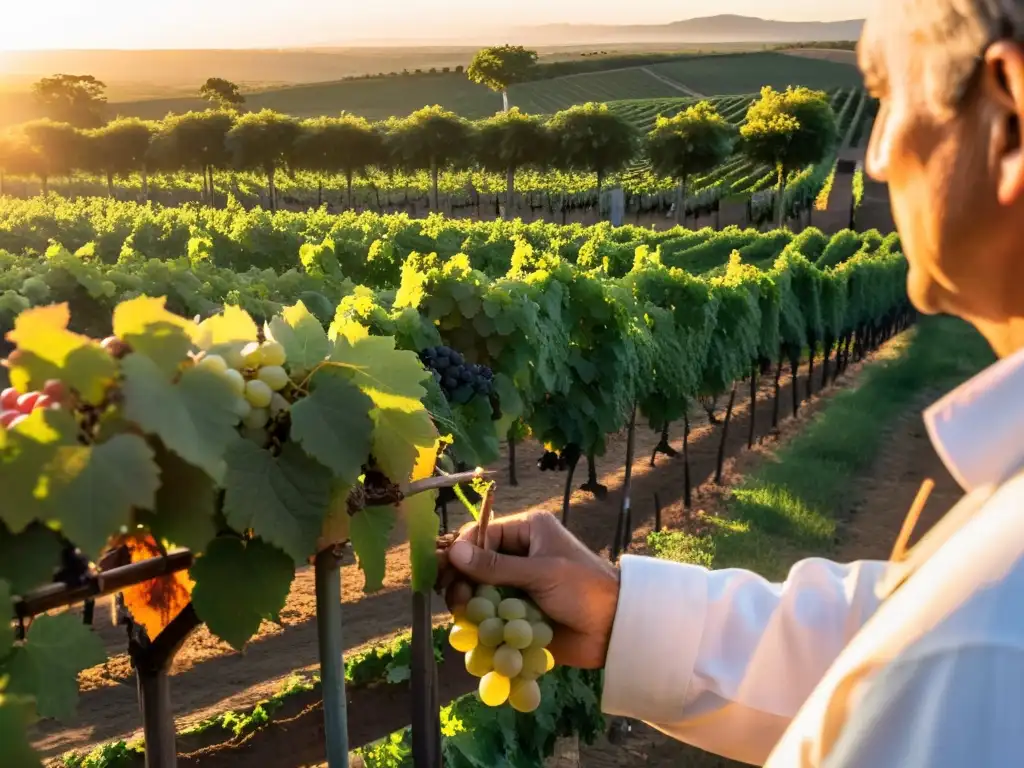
pixel 75 99
pixel 788 130
pixel 194 141
pixel 693 142
pixel 263 141
pixel 509 141
pixel 346 144
pixel 222 93
pixel 429 139
pixel 57 149
pixel 120 148
pixel 501 67
pixel 591 138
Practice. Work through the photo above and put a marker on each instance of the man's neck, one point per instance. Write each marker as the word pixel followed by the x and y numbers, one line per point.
pixel 1006 338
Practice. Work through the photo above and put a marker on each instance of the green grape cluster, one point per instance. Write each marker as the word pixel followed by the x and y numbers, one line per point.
pixel 505 640
pixel 257 374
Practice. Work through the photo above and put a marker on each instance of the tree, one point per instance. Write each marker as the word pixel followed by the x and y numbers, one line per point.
pixel 429 139
pixel 346 144
pixel 194 141
pixel 501 67
pixel 694 141
pixel 592 138
pixel 265 141
pixel 57 149
pixel 17 157
pixel 221 92
pixel 121 147
pixel 75 99
pixel 788 130
pixel 509 141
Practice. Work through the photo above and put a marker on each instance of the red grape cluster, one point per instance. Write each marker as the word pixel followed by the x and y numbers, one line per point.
pixel 15 406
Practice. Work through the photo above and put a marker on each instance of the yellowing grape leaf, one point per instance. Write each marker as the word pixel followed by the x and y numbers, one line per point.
pixel 48 350
pixel 238 585
pixel 400 440
pixel 46 666
pixel 333 425
pixel 232 329
pixel 422 524
pixel 28 559
pixel 370 529
pixel 156 602
pixel 185 504
pixel 303 338
pixel 336 525
pixel 26 453
pixel 284 499
pixel 15 719
pixel 151 330
pixel 96 487
pixel 194 417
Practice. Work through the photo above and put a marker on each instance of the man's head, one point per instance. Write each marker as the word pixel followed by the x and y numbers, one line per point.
pixel 948 140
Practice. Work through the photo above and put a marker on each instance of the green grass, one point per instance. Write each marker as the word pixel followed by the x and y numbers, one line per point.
pixel 791 502
pixel 747 73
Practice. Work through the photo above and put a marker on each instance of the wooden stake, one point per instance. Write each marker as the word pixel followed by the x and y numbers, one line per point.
pixel 900 550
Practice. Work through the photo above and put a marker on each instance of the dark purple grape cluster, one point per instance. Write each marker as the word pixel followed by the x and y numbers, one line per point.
pixel 459 380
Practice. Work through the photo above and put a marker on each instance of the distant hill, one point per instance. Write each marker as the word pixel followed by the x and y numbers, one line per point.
pixel 719 29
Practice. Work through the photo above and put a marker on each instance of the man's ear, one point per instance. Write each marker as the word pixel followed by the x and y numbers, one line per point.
pixel 1003 89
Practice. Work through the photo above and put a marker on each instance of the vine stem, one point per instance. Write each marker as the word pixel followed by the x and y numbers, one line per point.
pixel 327 573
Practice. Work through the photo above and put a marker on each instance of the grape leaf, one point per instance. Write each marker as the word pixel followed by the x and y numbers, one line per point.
pixel 195 417
pixel 28 559
pixel 231 329
pixel 6 612
pixel 370 529
pixel 15 719
pixel 155 603
pixel 333 425
pixel 46 666
pixel 304 340
pixel 151 330
pixel 422 524
pixel 96 488
pixel 25 455
pixel 48 350
pixel 336 525
pixel 285 499
pixel 238 584
pixel 185 503
pixel 399 438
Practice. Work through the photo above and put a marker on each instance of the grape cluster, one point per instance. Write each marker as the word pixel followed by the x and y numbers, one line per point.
pixel 257 375
pixel 16 406
pixel 459 381
pixel 505 641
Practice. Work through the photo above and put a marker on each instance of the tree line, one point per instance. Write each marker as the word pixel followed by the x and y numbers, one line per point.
pixel 785 130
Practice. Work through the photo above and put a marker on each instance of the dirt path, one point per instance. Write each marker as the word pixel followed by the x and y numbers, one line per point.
pixel 874 522
pixel 210 678
pixel 672 83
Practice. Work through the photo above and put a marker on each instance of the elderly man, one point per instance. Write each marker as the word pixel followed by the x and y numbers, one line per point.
pixel 903 665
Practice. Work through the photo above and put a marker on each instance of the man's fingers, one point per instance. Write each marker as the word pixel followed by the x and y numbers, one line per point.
pixel 510 535
pixel 457 595
pixel 486 566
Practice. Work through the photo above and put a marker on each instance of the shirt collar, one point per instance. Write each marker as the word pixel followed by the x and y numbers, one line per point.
pixel 978 428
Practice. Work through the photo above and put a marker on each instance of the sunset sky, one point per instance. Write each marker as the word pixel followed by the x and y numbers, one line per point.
pixel 272 23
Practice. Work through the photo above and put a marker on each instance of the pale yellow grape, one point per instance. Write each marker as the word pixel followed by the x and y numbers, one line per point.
pixel 480 609
pixel 278 404
pixel 258 393
pixel 543 634
pixel 491 632
pixel 535 663
pixel 512 608
pixel 236 380
pixel 273 353
pixel 257 418
pixel 494 689
pixel 533 614
pixel 490 593
pixel 252 354
pixel 550 659
pixel 274 376
pixel 480 661
pixel 519 633
pixel 508 661
pixel 242 408
pixel 463 637
pixel 214 363
pixel 524 695
pixel 233 357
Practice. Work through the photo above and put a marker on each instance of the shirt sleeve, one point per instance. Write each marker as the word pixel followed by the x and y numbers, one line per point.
pixel 724 659
pixel 947 709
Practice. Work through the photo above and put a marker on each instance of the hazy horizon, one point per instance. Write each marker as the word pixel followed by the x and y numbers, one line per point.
pixel 238 24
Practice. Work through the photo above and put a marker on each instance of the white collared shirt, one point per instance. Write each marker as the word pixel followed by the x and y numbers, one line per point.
pixel 820 670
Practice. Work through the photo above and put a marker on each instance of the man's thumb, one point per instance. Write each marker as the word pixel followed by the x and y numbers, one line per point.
pixel 485 566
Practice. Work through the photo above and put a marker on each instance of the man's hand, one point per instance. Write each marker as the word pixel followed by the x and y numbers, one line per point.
pixel 576 588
